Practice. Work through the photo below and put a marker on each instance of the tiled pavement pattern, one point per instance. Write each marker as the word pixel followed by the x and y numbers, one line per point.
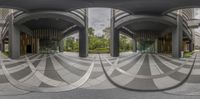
pixel 192 85
pixel 66 71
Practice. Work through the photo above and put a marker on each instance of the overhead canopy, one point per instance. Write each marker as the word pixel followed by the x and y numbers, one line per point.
pixel 132 6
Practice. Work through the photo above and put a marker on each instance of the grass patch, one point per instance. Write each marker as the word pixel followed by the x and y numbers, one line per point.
pixel 6 53
pixel 100 50
pixel 187 54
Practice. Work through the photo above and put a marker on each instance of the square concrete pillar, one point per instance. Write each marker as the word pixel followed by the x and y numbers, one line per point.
pixel 134 45
pixel 177 38
pixel 191 46
pixel 156 45
pixel 61 45
pixel 38 45
pixel 14 40
pixel 114 46
pixel 83 42
pixel 2 46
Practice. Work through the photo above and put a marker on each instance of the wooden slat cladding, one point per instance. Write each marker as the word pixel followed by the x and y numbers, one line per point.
pixel 26 40
pixel 52 34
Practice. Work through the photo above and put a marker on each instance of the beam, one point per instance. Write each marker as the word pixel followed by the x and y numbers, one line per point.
pixel 25 29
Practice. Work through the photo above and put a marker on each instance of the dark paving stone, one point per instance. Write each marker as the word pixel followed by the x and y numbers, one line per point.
pixel 189 66
pixel 75 60
pixel 144 84
pixel 175 63
pixel 3 79
pixel 35 63
pixel 51 72
pixel 19 63
pixel 132 63
pixel 21 74
pixel 14 64
pixel 100 94
pixel 127 66
pixel 70 68
pixel 177 75
pixel 145 68
pixel 96 74
pixel 45 85
pixel 194 79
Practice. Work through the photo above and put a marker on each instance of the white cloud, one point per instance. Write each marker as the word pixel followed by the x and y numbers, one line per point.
pixel 197 16
pixel 99 18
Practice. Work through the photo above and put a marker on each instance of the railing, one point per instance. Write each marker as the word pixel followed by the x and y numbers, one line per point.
pixel 6 23
pixel 81 13
pixel 119 14
pixel 185 24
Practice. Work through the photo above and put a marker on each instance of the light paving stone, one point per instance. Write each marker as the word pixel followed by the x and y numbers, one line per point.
pixel 165 82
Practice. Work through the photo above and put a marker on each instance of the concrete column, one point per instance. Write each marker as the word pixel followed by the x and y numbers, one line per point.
pixel 61 45
pixel 38 45
pixel 177 37
pixel 190 46
pixel 83 42
pixel 14 40
pixel 2 46
pixel 114 46
pixel 134 45
pixel 114 37
pixel 156 46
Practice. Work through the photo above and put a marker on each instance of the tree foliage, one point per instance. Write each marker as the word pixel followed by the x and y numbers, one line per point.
pixel 98 43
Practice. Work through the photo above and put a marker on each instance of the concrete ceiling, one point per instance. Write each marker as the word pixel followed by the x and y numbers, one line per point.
pixel 48 23
pixel 147 26
pixel 132 6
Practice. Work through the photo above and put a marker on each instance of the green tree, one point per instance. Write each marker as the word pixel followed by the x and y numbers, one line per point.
pixel 125 43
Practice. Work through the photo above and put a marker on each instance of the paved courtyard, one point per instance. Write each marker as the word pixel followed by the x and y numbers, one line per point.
pixel 65 75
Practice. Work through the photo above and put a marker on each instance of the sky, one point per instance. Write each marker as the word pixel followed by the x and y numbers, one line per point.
pixel 99 19
pixel 197 16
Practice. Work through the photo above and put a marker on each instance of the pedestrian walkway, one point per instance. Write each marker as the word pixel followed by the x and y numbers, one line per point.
pixel 66 72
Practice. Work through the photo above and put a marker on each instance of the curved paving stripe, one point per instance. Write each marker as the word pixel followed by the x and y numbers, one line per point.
pixel 58 73
pixel 86 61
pixel 13 63
pixel 191 86
pixel 17 67
pixel 122 79
pixel 78 71
pixel 163 81
pixel 15 71
pixel 158 76
pixel 8 88
pixel 54 89
pixel 153 66
pixel 33 80
pixel 101 80
pixel 167 69
pixel 142 84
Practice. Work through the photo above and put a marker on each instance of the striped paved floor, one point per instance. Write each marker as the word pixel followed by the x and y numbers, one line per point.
pixel 66 71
